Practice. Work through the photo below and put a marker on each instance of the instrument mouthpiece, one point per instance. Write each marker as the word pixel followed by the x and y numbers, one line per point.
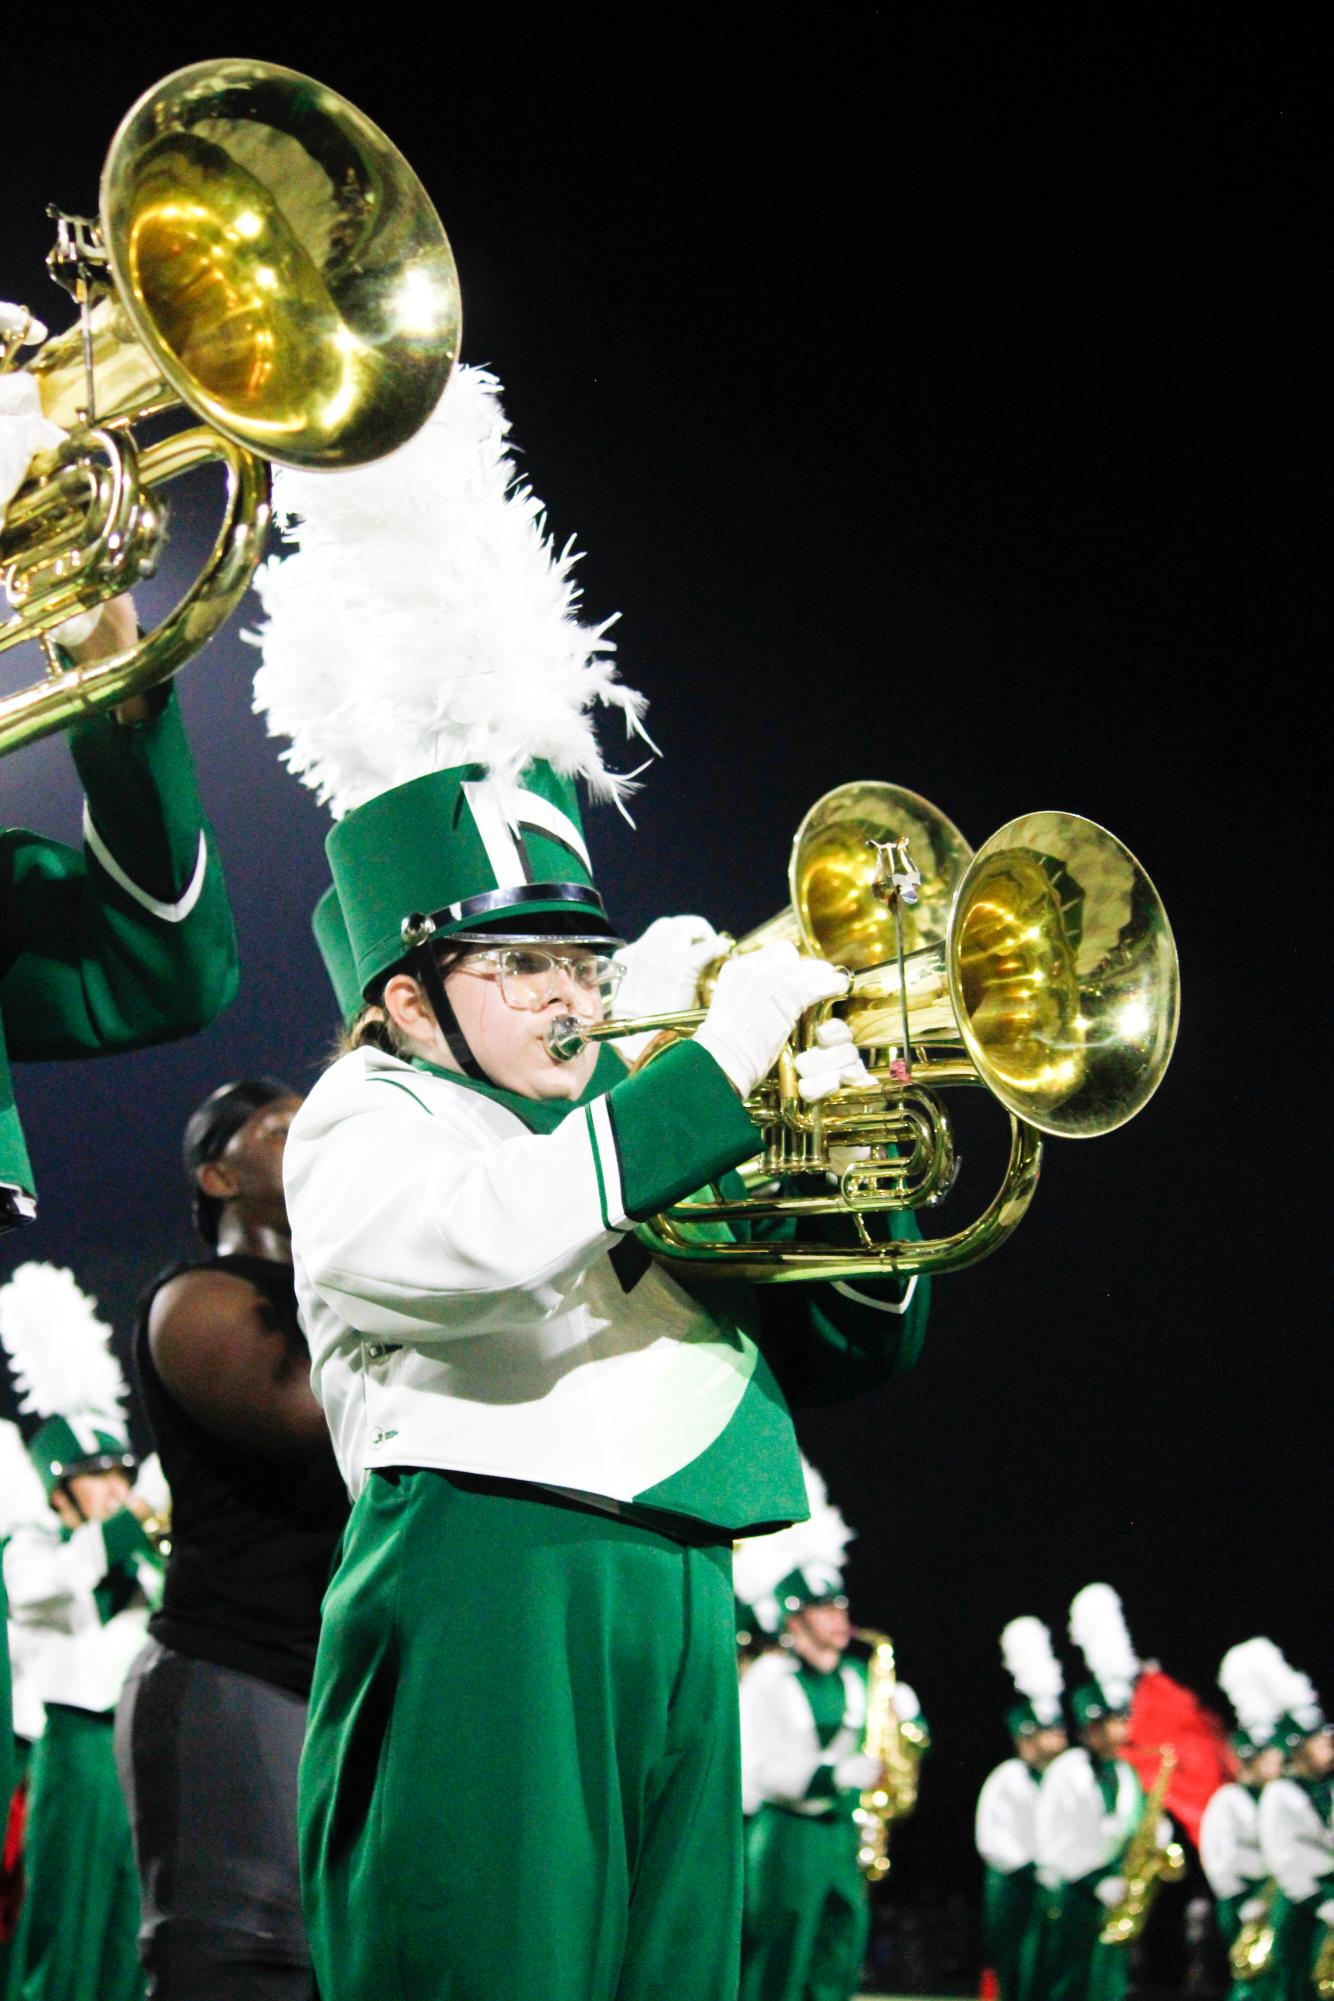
pixel 564 1039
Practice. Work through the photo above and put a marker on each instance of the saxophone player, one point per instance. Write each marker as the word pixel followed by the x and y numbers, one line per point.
pixel 1297 1842
pixel 1006 1821
pixel 1230 1827
pixel 804 1768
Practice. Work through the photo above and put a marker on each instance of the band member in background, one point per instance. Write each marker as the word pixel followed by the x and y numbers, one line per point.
pixel 1230 1828
pixel 213 1715
pixel 1006 1824
pixel 804 1766
pixel 1297 1839
pixel 82 1583
pixel 551 1444
pixel 23 1505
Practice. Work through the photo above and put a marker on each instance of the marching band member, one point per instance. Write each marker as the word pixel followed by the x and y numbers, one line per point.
pixel 803 1766
pixel 1297 1837
pixel 1230 1829
pixel 258 1505
pixel 82 1583
pixel 22 1505
pixel 550 1443
pixel 1006 1823
pixel 1089 1807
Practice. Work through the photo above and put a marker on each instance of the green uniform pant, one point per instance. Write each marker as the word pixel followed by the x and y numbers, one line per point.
pixel 1007 1912
pixel 76 1935
pixel 1063 1959
pixel 521 1776
pixel 1297 1938
pixel 807 1912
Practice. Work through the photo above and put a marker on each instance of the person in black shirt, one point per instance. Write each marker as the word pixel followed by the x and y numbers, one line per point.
pixel 210 1727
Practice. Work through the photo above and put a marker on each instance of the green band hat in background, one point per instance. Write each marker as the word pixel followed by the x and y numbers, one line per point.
pixel 63 1447
pixel 1091 1703
pixel 464 852
pixel 1022 1720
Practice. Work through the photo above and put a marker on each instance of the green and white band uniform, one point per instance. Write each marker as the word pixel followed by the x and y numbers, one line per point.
pixel 1087 1811
pixel 807 1913
pixel 1233 1864
pixel 1296 1827
pixel 1005 1830
pixel 124 943
pixel 550 1443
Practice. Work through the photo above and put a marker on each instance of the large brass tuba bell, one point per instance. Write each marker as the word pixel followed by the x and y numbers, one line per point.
pixel 1042 967
pixel 265 257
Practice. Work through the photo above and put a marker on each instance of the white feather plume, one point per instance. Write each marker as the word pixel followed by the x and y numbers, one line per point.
pixel 1249 1675
pixel 22 1496
pixel 59 1349
pixel 1098 1628
pixel 1291 1692
pixel 1033 1667
pixel 423 618
pixel 817 1547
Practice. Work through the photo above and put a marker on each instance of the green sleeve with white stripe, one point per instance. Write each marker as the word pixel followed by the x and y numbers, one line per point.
pixel 86 964
pixel 674 1126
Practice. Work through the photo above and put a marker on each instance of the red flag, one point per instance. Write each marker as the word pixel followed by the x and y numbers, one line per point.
pixel 1162 1713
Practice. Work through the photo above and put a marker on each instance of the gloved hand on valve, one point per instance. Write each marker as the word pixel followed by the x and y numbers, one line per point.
pixel 24 431
pixel 662 973
pixel 759 998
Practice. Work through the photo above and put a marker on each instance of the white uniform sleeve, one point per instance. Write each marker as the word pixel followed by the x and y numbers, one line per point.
pixel 1297 1846
pixel 42 1572
pixel 412 1230
pixel 1006 1812
pixel 780 1749
pixel 1228 1852
pixel 1074 1835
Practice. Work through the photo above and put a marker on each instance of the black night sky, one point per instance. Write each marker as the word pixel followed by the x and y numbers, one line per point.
pixel 939 404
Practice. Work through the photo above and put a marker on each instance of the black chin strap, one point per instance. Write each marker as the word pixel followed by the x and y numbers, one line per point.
pixel 428 972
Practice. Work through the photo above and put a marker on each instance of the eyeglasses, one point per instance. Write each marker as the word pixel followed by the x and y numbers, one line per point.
pixel 530 978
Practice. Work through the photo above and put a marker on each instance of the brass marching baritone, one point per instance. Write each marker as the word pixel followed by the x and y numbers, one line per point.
pixel 897 1744
pixel 1042 967
pixel 1253 1947
pixel 1146 1865
pixel 1322 1973
pixel 264 257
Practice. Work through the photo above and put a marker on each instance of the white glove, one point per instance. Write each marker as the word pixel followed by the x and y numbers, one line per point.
pixel 23 431
pixel 1110 1891
pixel 662 973
pixel 1254 1907
pixel 759 998
pixel 150 1485
pixel 857 1773
pixel 834 1064
pixel 1325 1911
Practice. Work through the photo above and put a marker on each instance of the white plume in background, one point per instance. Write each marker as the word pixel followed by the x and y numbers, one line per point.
pixel 1098 1628
pixel 22 1496
pixel 59 1348
pixel 818 1546
pixel 1033 1667
pixel 1249 1675
pixel 423 619
pixel 1292 1692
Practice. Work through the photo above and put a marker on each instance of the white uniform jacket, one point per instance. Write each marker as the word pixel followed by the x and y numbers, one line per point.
pixel 74 1654
pixel 1074 1834
pixel 1230 1842
pixel 1006 1823
pixel 782 1760
pixel 1296 1842
pixel 475 1300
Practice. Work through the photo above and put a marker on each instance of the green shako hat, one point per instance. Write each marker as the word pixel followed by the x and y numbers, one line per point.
pixel 65 1374
pixel 1091 1702
pixel 1031 1663
pixel 335 949
pixel 423 655
pixel 802 1565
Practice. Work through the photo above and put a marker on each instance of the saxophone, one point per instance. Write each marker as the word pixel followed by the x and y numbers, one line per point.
pixel 1253 1947
pixel 1145 1866
pixel 898 1747
pixel 1322 1973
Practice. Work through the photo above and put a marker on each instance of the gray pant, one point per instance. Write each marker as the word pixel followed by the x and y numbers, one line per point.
pixel 208 1760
